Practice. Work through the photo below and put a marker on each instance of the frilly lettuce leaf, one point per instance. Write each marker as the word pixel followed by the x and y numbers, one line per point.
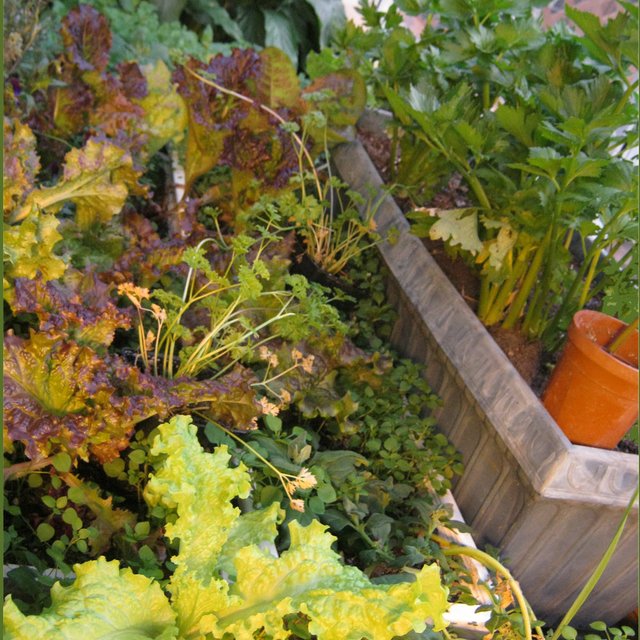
pixel 59 395
pixel 200 487
pixel 254 527
pixel 97 179
pixel 186 480
pixel 82 309
pixel 340 601
pixel 28 248
pixel 103 602
pixel 21 163
pixel 87 38
pixel 309 577
pixel 277 85
pixel 244 137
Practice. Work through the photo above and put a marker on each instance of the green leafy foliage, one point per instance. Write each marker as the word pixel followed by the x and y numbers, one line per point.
pixel 538 123
pixel 228 328
pixel 296 28
pixel 339 601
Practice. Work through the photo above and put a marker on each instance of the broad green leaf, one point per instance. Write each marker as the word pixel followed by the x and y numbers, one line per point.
pixel 457 227
pixel 547 159
pixel 277 85
pixel 496 250
pixel 470 135
pixel 169 10
pixel 279 32
pixel 605 42
pixel 45 532
pixel 97 179
pixel 518 123
pixel 526 34
pixel 338 464
pixel 103 602
pixel 331 18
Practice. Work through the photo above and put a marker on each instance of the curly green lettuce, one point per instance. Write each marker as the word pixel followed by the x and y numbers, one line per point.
pixel 309 577
pixel 104 602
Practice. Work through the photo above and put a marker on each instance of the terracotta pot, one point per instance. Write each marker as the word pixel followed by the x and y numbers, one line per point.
pixel 592 394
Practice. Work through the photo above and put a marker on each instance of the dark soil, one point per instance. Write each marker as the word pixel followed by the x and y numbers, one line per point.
pixel 527 356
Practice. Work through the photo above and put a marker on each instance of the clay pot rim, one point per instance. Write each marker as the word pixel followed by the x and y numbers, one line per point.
pixel 594 349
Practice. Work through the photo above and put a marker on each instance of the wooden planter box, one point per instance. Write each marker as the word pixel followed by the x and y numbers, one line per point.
pixel 551 507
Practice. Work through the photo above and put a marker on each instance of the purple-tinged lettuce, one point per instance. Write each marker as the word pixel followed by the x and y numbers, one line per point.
pixel 87 38
pixel 82 311
pixel 59 395
pixel 238 133
pixel 21 163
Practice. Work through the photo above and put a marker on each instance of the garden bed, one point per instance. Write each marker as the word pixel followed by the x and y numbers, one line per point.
pixel 550 506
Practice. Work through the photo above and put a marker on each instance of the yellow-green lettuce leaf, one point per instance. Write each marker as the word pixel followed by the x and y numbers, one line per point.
pixel 165 114
pixel 21 163
pixel 28 248
pixel 309 577
pixel 340 600
pixel 97 179
pixel 103 602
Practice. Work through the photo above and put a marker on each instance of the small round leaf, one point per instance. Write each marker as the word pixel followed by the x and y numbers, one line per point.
pixel 62 462
pixel 34 480
pixel 45 531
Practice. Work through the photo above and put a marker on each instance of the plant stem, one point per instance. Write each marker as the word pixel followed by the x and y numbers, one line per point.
pixel 522 296
pixel 23 468
pixel 488 293
pixel 538 309
pixel 589 278
pixel 620 337
pixel 625 98
pixel 599 244
pixel 495 565
pixel 496 311
pixel 597 573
